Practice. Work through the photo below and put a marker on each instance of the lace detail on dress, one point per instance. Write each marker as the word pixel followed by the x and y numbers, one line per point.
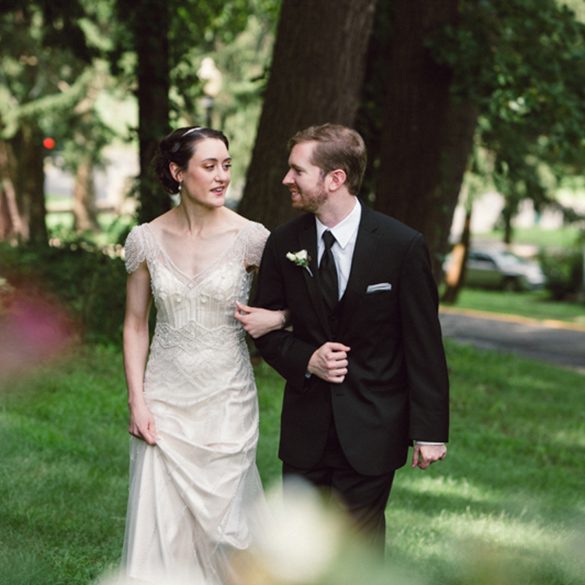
pixel 134 249
pixel 257 235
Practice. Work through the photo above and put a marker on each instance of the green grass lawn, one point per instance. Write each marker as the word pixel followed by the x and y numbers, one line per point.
pixel 513 479
pixel 536 236
pixel 535 305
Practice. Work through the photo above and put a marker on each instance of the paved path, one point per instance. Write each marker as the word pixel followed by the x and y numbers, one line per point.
pixel 555 343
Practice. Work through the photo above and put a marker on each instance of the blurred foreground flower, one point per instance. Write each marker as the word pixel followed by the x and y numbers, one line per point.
pixel 33 330
pixel 302 537
pixel 308 541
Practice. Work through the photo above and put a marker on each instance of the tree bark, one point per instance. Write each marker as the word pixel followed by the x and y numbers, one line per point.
pixel 427 134
pixel 29 181
pixel 84 210
pixel 455 278
pixel 151 22
pixel 507 217
pixel 11 223
pixel 316 77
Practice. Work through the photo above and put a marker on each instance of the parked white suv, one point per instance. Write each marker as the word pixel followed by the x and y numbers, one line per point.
pixel 492 268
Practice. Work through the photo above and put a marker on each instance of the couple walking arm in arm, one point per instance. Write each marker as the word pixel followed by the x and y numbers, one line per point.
pixel 345 311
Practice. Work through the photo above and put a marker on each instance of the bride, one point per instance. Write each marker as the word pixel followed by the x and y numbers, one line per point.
pixel 191 395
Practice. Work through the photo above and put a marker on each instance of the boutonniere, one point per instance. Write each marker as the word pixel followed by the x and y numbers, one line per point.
pixel 300 258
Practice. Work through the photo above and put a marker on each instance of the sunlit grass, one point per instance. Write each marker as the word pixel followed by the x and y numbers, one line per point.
pixel 534 305
pixel 512 481
pixel 536 236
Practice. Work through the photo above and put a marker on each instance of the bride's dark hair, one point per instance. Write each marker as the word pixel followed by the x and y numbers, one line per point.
pixel 178 147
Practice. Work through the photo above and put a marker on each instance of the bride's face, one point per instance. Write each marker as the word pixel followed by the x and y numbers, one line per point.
pixel 208 174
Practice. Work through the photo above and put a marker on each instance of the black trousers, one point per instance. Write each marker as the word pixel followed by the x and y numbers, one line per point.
pixel 364 497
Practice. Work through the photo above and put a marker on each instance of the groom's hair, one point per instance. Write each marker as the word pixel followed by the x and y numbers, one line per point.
pixel 337 147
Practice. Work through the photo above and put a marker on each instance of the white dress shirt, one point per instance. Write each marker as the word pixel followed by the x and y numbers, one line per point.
pixel 345 233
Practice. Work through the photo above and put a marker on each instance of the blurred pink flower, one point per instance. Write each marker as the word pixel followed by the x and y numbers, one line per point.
pixel 33 330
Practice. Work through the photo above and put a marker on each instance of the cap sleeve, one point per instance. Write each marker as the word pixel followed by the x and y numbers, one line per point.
pixel 134 249
pixel 256 241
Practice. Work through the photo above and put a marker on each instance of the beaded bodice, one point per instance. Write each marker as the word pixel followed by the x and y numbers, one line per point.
pixel 195 314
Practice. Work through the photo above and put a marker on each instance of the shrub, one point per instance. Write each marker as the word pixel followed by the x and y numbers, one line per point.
pixel 564 272
pixel 87 281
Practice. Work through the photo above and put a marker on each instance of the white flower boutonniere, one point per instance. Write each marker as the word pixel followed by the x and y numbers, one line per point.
pixel 300 258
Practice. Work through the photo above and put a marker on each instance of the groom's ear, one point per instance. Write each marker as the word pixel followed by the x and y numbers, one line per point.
pixel 337 179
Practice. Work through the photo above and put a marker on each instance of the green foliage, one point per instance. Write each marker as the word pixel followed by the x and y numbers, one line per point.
pixel 89 283
pixel 50 79
pixel 244 64
pixel 196 30
pixel 241 50
pixel 44 53
pixel 564 272
pixel 523 63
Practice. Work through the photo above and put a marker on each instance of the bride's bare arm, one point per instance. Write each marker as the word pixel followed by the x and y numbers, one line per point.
pixel 258 322
pixel 138 300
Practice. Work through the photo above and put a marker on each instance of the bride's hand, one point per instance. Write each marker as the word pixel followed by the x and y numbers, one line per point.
pixel 141 424
pixel 258 322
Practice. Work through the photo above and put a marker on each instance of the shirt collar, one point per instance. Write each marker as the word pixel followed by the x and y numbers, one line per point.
pixel 346 228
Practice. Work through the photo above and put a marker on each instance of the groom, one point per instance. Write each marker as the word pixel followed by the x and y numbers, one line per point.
pixel 364 364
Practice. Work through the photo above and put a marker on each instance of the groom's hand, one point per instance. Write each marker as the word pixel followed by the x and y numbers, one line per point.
pixel 329 362
pixel 424 455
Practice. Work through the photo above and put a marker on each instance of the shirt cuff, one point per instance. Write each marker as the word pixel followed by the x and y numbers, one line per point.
pixel 427 443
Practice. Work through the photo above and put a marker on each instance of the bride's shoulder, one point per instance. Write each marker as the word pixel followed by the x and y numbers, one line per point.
pixel 160 223
pixel 135 248
pixel 256 231
pixel 247 226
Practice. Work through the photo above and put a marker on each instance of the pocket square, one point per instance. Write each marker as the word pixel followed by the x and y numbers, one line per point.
pixel 378 287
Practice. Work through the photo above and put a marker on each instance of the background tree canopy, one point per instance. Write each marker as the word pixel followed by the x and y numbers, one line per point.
pixel 432 86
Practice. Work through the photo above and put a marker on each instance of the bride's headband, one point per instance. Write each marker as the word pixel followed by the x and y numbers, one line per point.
pixel 191 130
pixel 177 144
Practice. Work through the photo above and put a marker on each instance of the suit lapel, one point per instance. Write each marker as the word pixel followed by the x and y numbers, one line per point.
pixel 364 251
pixel 308 241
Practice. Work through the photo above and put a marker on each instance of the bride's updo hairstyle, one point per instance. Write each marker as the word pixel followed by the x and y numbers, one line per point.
pixel 178 147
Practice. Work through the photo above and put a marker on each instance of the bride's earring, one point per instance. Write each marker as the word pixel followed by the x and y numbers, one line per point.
pixel 180 186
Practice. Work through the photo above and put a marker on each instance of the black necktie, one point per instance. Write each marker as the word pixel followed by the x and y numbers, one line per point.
pixel 328 273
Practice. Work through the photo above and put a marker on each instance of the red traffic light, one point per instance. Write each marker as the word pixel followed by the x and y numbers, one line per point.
pixel 49 143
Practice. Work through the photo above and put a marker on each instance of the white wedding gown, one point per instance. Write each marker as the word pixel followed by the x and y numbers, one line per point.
pixel 191 496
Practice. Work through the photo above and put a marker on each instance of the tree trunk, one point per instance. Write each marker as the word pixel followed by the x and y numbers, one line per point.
pixel 372 103
pixel 455 278
pixel 151 21
pixel 508 230
pixel 11 223
pixel 316 77
pixel 427 134
pixel 29 181
pixel 84 211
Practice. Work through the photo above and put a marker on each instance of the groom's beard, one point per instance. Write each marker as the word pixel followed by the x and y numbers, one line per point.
pixel 309 201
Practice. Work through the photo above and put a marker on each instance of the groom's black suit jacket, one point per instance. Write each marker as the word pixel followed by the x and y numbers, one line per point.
pixel 396 388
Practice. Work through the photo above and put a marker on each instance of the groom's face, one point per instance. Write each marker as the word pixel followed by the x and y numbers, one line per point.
pixel 304 180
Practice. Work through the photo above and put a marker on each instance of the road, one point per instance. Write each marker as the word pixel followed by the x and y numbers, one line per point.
pixel 556 344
